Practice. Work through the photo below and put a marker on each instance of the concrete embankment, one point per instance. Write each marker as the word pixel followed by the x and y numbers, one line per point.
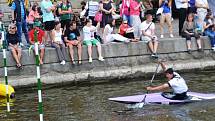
pixel 121 61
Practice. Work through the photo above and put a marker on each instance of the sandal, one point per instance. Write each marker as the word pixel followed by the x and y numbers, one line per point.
pixel 73 62
pixel 79 62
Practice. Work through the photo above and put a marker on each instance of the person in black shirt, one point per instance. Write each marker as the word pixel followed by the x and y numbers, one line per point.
pixel 13 42
pixel 72 38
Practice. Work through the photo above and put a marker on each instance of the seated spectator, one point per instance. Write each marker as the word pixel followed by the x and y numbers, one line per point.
pixel 189 30
pixel 41 39
pixel 89 39
pixel 109 36
pixel 148 35
pixel 13 42
pixel 72 38
pixel 58 43
pixel 127 31
pixel 209 29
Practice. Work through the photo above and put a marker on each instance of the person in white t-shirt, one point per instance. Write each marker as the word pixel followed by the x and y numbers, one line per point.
pixel 110 36
pixel 202 6
pixel 175 82
pixel 148 35
pixel 89 39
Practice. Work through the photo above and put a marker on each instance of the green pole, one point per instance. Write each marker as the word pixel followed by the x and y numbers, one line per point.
pixel 5 65
pixel 39 84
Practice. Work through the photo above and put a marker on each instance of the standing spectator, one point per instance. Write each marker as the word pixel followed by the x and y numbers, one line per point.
pixel 109 36
pixel 149 6
pixel 125 10
pixel 48 18
pixel 211 4
pixel 135 17
pixel 72 38
pixel 19 17
pixel 126 31
pixel 191 6
pixel 148 35
pixel 209 29
pixel 202 6
pixel 65 11
pixel 93 7
pixel 41 37
pixel 189 30
pixel 13 42
pixel 58 43
pixel 89 40
pixel 34 14
pixel 166 16
pixel 107 8
pixel 182 6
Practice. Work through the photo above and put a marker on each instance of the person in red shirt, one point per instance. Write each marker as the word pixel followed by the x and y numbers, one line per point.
pixel 40 35
pixel 127 31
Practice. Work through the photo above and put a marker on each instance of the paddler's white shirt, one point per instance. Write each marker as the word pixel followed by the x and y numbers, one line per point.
pixel 178 84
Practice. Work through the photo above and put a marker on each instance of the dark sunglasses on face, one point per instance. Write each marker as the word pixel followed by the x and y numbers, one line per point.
pixel 12 27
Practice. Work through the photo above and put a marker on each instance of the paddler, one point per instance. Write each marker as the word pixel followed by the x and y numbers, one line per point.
pixel 175 82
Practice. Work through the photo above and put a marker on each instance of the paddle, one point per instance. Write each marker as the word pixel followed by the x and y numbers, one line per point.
pixel 140 105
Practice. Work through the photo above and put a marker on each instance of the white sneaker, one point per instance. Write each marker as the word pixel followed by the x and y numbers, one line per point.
pixel 213 48
pixel 162 36
pixel 90 60
pixel 101 58
pixel 21 44
pixel 63 62
pixel 171 35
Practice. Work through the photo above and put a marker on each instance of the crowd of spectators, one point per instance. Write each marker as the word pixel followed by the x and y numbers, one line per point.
pixel 57 25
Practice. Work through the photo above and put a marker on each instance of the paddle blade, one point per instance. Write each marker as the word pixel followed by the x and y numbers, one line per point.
pixel 137 105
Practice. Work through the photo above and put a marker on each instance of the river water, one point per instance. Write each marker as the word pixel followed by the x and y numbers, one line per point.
pixel 88 102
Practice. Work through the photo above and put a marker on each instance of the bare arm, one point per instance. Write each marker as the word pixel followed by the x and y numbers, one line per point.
pixel 158 88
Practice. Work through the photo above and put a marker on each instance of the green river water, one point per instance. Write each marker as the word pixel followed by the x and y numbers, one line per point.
pixel 88 102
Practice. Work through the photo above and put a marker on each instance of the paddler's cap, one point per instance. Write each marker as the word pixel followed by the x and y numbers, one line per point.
pixel 169 71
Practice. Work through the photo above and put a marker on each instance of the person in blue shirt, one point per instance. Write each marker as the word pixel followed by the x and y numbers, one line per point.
pixel 166 16
pixel 19 18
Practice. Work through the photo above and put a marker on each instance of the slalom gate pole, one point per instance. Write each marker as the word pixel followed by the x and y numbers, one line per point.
pixel 5 64
pixel 39 84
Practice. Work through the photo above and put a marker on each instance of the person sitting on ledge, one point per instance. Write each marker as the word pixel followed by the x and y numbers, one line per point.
pixel 13 42
pixel 110 36
pixel 89 39
pixel 41 39
pixel 72 38
pixel 175 82
pixel 148 35
pixel 127 31
pixel 58 43
pixel 189 30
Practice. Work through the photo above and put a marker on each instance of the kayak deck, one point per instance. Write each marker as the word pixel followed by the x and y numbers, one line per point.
pixel 159 99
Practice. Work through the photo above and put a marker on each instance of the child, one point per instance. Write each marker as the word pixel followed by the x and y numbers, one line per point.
pixel 90 40
pixel 40 35
pixel 13 42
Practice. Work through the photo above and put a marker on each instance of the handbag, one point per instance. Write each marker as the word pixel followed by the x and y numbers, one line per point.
pixel 159 11
pixel 98 17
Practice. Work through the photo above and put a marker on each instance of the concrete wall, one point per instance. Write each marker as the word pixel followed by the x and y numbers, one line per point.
pixel 121 60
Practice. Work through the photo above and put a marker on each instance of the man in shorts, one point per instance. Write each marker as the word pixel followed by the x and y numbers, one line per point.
pixel 72 38
pixel 48 18
pixel 148 35
pixel 40 37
